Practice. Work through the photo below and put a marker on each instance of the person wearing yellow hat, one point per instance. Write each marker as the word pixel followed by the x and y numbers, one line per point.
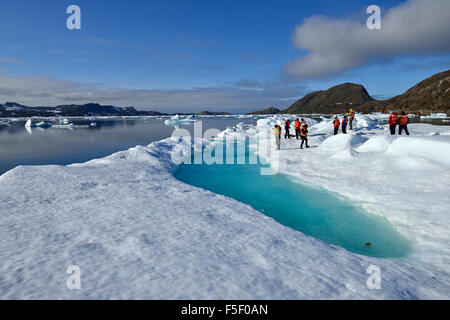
pixel 351 116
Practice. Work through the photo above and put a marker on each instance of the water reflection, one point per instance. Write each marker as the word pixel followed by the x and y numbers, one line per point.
pixel 38 146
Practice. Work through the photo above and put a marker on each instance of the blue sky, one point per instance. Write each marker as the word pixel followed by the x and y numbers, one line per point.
pixel 198 55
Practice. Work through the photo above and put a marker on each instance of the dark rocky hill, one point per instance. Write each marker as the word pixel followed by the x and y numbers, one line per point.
pixel 430 95
pixel 334 100
pixel 266 111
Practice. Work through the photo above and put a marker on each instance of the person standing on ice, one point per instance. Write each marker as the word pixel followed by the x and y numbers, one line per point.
pixel 287 128
pixel 297 128
pixel 277 131
pixel 344 124
pixel 304 135
pixel 403 123
pixel 352 117
pixel 303 122
pixel 393 120
pixel 336 124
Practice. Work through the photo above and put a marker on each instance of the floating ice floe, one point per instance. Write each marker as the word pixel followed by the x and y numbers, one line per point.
pixel 41 124
pixel 6 122
pixel 176 119
pixel 435 116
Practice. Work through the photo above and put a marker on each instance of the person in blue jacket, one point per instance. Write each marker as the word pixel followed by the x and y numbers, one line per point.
pixel 344 124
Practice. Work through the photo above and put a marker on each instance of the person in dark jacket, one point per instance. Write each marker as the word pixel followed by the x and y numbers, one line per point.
pixel 344 125
pixel 287 128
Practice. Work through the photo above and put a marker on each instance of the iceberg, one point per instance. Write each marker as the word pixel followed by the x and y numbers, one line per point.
pixel 29 124
pixel 41 124
pixel 435 116
pixel 6 122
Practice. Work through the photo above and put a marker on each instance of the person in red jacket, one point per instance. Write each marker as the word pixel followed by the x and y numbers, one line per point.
pixel 403 123
pixel 393 120
pixel 336 124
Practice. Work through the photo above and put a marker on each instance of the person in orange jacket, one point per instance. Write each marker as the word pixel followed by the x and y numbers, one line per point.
pixel 304 135
pixel 403 124
pixel 393 120
pixel 351 116
pixel 297 128
pixel 336 124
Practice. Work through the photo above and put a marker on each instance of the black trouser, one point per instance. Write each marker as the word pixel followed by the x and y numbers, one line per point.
pixel 287 134
pixel 351 124
pixel 336 130
pixel 304 139
pixel 403 127
pixel 297 133
pixel 344 129
pixel 392 128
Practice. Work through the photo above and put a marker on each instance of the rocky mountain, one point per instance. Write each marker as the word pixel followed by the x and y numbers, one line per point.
pixel 334 100
pixel 430 95
pixel 266 111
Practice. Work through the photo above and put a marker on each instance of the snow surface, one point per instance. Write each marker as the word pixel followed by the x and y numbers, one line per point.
pixel 138 233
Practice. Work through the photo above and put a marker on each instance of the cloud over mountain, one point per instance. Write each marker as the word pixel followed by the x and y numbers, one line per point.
pixel 416 27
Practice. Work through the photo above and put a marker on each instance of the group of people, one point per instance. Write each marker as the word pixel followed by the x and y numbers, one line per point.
pixel 301 127
pixel 401 121
pixel 346 121
pixel 301 132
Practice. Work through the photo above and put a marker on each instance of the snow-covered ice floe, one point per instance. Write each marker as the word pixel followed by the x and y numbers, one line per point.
pixel 41 124
pixel 435 116
pixel 5 122
pixel 138 233
pixel 176 119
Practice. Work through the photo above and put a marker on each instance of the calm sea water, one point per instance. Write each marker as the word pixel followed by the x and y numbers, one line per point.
pixel 66 146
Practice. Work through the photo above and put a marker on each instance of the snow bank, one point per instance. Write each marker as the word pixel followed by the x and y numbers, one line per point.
pixel 438 151
pixel 339 147
pixel 375 144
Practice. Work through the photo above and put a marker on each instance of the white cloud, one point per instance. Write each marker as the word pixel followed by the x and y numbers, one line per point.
pixel 416 27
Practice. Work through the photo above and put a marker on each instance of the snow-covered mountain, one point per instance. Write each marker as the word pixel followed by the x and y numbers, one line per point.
pixel 12 109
